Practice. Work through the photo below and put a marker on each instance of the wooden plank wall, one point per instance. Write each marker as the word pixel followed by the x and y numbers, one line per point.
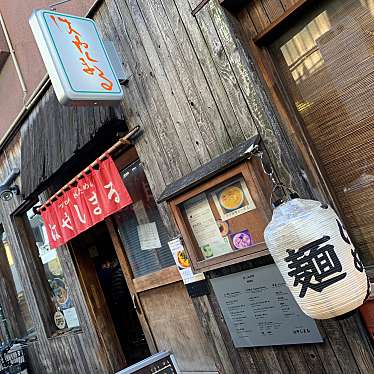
pixel 261 13
pixel 60 132
pixel 69 354
pixel 195 93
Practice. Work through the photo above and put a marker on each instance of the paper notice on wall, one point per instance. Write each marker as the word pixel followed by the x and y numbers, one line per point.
pixel 183 263
pixel 140 212
pixel 48 256
pixel 205 228
pixel 71 317
pixel 148 236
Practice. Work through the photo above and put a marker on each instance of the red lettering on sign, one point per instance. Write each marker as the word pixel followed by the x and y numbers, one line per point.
pixel 96 196
pixel 83 47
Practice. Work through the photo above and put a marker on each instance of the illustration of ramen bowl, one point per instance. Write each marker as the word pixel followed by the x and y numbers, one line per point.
pixel 183 260
pixel 231 198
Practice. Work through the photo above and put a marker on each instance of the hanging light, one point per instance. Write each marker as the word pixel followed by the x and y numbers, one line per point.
pixel 315 255
pixel 316 258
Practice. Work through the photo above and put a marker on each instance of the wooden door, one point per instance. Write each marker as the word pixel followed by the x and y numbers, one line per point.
pixel 111 347
pixel 167 314
pixel 165 310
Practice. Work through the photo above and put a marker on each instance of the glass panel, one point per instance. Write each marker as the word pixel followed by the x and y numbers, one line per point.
pixel 224 219
pixel 326 63
pixel 20 292
pixel 54 276
pixel 140 226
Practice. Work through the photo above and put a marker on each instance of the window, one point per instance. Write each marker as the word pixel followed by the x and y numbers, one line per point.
pixel 62 310
pixel 17 289
pixel 140 226
pixel 326 63
pixel 223 220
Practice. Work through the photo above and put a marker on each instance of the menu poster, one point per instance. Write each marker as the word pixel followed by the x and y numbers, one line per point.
pixel 148 236
pixel 259 309
pixel 233 199
pixel 205 228
pixel 183 263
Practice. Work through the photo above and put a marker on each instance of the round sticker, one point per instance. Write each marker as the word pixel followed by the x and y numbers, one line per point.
pixel 242 240
pixel 59 320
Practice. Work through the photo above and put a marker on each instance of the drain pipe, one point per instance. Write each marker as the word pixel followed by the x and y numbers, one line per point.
pixel 14 58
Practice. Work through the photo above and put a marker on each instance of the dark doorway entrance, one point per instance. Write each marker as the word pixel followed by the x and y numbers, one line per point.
pixel 108 295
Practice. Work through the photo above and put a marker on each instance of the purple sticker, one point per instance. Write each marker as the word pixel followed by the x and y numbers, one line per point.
pixel 242 239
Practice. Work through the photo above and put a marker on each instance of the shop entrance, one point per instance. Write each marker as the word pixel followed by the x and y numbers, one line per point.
pixel 110 301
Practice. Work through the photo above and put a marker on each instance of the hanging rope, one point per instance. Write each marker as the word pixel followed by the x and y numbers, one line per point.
pixel 277 185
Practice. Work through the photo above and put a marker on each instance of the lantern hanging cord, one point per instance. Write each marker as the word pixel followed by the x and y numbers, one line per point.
pixel 269 171
pixel 125 140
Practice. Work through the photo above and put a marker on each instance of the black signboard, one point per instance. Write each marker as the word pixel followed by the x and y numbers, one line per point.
pixel 260 310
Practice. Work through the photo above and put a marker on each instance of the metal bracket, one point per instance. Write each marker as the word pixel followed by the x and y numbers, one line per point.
pixel 53 6
pixel 116 61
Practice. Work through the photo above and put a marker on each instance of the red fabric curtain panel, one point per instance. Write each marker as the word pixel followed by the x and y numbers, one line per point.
pixel 98 194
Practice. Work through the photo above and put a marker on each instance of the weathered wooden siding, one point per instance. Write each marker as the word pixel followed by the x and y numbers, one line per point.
pixel 52 134
pixel 67 354
pixel 169 53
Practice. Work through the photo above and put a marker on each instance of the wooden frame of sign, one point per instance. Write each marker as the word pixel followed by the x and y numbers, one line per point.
pixel 250 223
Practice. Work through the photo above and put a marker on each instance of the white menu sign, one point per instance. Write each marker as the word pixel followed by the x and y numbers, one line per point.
pixel 205 228
pixel 75 58
pixel 259 309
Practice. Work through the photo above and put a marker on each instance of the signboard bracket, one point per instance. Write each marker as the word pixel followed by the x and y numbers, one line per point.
pixel 117 63
pixel 54 5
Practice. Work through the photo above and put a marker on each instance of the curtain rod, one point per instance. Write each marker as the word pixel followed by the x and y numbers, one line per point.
pixel 122 141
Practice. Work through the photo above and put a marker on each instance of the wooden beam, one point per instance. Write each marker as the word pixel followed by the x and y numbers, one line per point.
pixel 233 4
pixel 281 21
pixel 199 7
pixel 158 279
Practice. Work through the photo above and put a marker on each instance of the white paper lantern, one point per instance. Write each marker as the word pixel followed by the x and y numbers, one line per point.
pixel 316 258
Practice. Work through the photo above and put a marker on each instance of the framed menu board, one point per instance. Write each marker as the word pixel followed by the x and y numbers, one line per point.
pixel 222 221
pixel 259 309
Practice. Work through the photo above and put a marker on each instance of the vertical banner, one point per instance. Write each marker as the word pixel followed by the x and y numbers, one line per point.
pixel 98 194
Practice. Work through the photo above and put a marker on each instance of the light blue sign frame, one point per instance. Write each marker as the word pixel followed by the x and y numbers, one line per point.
pixel 64 60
